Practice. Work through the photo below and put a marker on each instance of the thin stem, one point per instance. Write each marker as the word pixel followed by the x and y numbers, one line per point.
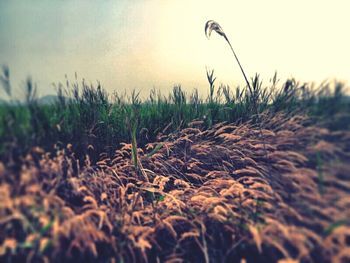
pixel 234 53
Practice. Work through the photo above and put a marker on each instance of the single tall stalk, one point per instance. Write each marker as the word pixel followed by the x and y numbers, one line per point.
pixel 212 25
pixel 209 27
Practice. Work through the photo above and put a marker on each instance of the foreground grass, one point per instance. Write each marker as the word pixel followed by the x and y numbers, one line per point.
pixel 241 191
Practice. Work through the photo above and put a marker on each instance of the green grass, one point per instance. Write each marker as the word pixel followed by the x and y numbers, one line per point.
pixel 95 122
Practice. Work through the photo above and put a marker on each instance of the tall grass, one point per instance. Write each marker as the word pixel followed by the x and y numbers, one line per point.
pixel 95 122
pixel 210 26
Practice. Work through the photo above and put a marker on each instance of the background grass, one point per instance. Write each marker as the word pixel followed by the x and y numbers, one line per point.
pixel 95 122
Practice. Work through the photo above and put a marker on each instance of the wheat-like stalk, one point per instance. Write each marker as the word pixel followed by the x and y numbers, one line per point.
pixel 210 26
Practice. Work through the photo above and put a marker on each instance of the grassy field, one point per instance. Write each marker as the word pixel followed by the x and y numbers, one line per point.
pixel 241 175
pixel 89 118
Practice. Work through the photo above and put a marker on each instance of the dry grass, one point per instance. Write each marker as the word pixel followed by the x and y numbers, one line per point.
pixel 233 193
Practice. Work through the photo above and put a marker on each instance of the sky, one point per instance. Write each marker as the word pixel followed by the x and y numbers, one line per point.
pixel 145 44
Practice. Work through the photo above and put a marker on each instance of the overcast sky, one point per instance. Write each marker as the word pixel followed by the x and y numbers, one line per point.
pixel 141 44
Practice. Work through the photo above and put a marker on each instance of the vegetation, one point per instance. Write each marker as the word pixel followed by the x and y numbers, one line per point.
pixel 95 122
pixel 94 177
pixel 255 174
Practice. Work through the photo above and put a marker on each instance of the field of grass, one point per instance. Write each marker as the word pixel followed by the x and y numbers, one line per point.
pixel 257 174
pixel 95 122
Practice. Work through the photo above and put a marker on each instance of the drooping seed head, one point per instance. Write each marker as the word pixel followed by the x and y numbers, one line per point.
pixel 212 25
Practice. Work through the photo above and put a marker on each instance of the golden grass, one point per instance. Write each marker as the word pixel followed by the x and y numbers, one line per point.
pixel 229 194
